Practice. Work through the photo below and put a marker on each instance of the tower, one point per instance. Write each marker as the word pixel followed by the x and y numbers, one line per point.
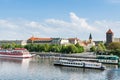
pixel 90 38
pixel 109 36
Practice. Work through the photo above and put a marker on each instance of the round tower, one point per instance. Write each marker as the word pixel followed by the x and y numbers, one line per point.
pixel 109 36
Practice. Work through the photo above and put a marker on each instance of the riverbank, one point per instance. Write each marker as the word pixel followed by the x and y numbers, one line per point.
pixel 74 55
pixel 86 56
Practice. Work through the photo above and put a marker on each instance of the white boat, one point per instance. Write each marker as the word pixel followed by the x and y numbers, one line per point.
pixel 108 59
pixel 15 53
pixel 82 64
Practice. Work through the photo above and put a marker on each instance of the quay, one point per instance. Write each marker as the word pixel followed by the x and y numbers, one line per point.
pixel 86 56
pixel 80 57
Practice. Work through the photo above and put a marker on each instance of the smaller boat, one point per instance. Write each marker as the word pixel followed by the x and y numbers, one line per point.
pixel 15 53
pixel 108 59
pixel 81 64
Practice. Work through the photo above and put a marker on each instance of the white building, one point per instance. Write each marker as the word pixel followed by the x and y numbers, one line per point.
pixel 64 41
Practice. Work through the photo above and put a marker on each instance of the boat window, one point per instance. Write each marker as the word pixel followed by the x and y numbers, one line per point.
pixel 108 57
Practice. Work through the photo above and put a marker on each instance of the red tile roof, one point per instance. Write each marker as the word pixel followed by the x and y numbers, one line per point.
pixel 109 32
pixel 39 39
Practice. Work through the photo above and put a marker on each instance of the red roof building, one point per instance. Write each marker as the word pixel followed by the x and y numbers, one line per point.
pixel 39 40
pixel 109 36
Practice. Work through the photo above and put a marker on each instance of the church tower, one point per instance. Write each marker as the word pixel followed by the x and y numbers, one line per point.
pixel 90 38
pixel 109 36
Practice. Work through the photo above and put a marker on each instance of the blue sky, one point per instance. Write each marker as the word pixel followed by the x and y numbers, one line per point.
pixel 20 19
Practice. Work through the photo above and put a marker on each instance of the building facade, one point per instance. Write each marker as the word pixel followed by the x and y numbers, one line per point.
pixel 109 36
pixel 116 40
pixel 73 40
pixel 36 40
pixel 19 42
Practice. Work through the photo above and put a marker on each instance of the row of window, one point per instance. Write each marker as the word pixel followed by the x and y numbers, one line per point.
pixel 80 64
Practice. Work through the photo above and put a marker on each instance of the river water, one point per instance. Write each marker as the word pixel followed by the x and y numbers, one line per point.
pixel 43 69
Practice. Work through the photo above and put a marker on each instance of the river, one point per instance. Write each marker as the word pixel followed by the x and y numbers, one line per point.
pixel 37 68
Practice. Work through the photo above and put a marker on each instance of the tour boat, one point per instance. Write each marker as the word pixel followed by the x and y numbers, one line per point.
pixel 82 64
pixel 108 59
pixel 15 53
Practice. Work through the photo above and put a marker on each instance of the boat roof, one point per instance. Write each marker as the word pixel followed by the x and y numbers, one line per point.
pixel 108 56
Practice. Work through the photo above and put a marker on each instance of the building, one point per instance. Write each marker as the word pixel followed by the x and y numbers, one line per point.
pixel 97 42
pixel 39 40
pixel 19 42
pixel 56 40
pixel 60 41
pixel 89 43
pixel 64 41
pixel 90 38
pixel 74 40
pixel 116 40
pixel 109 36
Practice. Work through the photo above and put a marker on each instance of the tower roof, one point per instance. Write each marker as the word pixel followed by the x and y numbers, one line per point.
pixel 109 32
pixel 90 37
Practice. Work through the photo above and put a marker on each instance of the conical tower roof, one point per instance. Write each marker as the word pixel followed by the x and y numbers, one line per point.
pixel 90 37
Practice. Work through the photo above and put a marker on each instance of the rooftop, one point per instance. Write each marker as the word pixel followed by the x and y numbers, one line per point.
pixel 39 39
pixel 109 32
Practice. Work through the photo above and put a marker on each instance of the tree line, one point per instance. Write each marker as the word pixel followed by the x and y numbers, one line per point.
pixel 47 48
pixel 107 49
pixel 55 48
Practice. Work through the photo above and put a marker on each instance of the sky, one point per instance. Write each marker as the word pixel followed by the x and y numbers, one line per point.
pixel 21 19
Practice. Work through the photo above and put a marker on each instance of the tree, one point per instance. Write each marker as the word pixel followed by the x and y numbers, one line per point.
pixel 114 46
pixel 72 49
pixel 93 49
pixel 79 48
pixel 54 48
pixel 46 47
pixel 101 48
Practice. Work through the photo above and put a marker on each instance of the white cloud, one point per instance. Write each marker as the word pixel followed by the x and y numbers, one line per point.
pixel 7 24
pixel 104 25
pixel 75 27
pixel 81 22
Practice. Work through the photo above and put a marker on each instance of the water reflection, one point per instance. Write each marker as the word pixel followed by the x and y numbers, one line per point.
pixel 77 70
pixel 108 66
pixel 43 69
pixel 13 68
pixel 24 63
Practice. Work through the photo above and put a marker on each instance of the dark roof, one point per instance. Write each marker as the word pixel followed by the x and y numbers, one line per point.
pixel 90 37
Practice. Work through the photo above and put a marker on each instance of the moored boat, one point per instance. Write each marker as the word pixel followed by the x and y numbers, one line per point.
pixel 15 53
pixel 81 64
pixel 108 59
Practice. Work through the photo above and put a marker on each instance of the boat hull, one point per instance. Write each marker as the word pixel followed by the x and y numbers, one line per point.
pixel 80 64
pixel 101 68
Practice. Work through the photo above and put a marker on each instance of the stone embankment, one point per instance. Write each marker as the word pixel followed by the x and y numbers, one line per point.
pixel 86 56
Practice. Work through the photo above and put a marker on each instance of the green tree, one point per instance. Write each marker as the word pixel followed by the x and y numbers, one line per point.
pixel 72 49
pixel 79 48
pixel 93 49
pixel 114 46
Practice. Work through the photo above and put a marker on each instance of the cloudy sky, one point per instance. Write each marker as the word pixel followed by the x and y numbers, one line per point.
pixel 20 19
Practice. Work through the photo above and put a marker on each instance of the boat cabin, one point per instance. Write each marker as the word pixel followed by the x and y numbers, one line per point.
pixel 111 59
